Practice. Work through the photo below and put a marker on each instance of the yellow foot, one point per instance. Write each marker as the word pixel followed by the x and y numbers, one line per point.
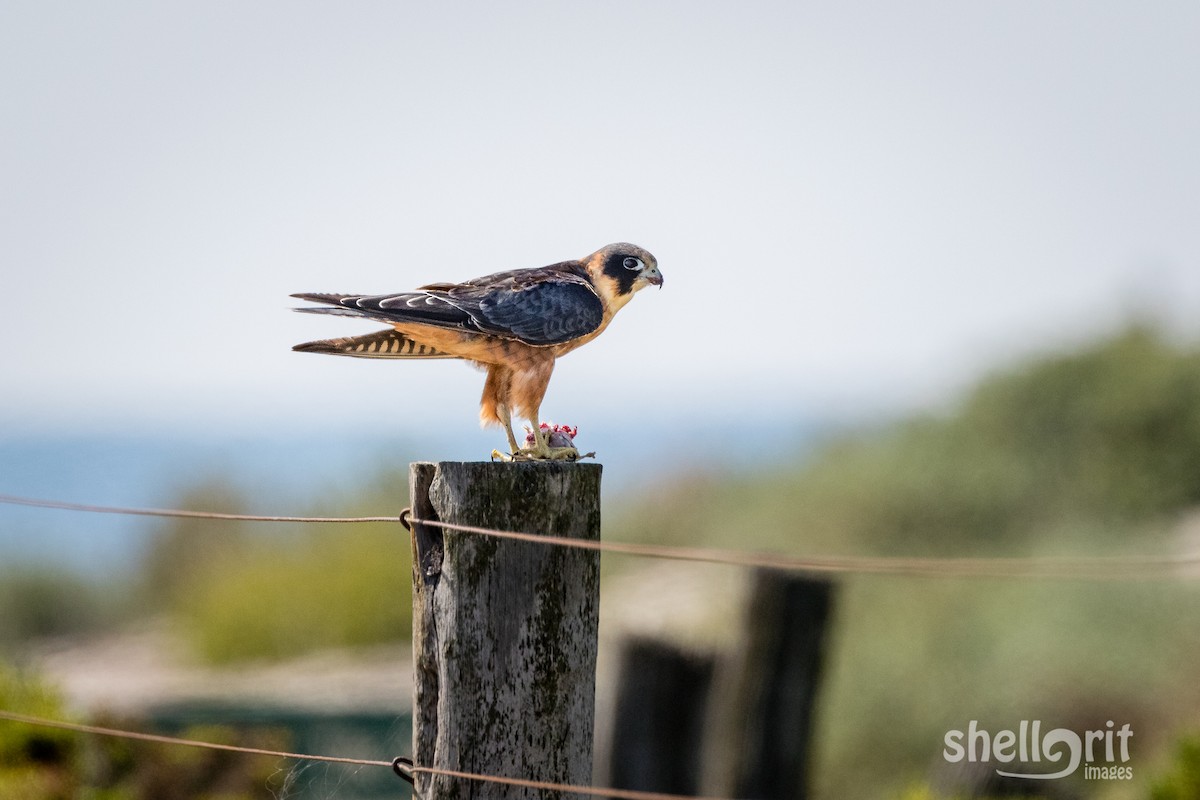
pixel 547 454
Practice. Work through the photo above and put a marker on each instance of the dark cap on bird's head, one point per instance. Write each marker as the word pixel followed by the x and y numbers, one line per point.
pixel 630 266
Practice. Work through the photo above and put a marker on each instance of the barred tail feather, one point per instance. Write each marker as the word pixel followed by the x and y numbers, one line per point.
pixel 381 344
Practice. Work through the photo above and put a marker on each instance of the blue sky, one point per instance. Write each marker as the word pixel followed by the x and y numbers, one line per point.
pixel 856 206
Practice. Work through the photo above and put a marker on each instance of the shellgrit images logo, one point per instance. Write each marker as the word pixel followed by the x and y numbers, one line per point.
pixel 1029 753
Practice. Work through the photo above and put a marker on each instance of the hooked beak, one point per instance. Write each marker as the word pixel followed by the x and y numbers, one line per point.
pixel 653 276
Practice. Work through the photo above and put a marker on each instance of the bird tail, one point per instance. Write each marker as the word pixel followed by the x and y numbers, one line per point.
pixel 381 344
pixel 333 304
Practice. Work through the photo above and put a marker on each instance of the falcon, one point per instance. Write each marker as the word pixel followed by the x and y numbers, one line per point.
pixel 512 324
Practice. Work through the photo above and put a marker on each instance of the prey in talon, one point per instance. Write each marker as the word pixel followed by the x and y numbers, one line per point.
pixel 512 324
pixel 559 438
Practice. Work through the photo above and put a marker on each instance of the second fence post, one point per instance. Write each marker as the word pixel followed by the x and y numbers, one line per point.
pixel 504 632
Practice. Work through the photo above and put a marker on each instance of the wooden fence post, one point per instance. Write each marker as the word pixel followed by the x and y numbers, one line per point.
pixel 658 730
pixel 764 696
pixel 504 632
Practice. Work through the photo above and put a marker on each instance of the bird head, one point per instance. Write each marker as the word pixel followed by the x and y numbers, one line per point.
pixel 623 269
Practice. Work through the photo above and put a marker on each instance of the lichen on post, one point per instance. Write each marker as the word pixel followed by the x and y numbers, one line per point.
pixel 504 632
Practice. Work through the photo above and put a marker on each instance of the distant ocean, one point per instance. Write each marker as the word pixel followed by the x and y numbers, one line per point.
pixel 140 470
pixel 281 473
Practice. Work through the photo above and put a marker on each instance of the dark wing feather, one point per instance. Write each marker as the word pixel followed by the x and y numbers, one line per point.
pixel 545 306
pixel 543 313
pixel 420 307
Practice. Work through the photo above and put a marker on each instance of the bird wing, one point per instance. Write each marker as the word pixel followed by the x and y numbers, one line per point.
pixel 537 307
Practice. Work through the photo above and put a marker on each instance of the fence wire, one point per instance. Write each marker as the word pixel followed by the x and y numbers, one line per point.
pixel 415 769
pixel 1127 567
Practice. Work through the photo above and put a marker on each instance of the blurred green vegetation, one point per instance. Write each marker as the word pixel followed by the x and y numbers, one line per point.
pixel 35 763
pixel 124 769
pixel 41 763
pixel 1095 452
pixel 1181 781
pixel 242 592
pixel 1077 444
pixel 40 602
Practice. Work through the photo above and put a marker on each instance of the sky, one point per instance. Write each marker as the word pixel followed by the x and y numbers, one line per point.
pixel 857 207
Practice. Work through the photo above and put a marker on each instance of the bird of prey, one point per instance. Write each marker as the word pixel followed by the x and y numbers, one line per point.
pixel 513 324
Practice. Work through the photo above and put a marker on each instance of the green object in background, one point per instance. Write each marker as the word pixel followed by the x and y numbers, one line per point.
pixel 35 763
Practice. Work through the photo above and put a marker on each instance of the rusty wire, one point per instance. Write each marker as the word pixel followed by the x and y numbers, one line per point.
pixel 591 791
pixel 1129 567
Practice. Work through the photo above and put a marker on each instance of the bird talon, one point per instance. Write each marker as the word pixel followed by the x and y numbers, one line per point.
pixel 563 454
pixel 541 454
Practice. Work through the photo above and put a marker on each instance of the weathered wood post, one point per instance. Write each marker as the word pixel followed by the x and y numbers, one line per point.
pixel 662 699
pixel 504 632
pixel 764 696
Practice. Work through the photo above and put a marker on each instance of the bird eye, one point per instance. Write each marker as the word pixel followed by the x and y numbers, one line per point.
pixel 632 263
